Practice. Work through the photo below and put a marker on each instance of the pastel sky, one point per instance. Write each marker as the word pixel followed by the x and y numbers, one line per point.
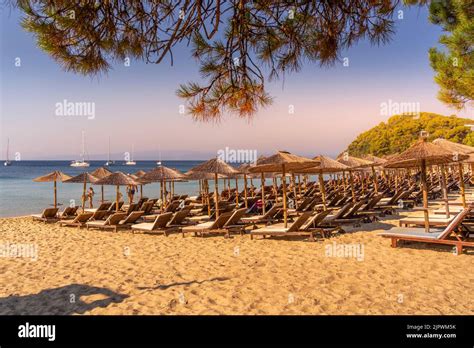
pixel 137 104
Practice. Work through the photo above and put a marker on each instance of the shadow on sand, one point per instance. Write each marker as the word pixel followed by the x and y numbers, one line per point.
pixel 167 286
pixel 65 300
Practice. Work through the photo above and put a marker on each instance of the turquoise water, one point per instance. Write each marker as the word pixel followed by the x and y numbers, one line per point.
pixel 20 195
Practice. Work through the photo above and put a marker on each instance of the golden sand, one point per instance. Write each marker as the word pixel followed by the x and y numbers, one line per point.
pixel 97 272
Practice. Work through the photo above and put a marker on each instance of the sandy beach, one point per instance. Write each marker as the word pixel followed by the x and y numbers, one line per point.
pixel 95 272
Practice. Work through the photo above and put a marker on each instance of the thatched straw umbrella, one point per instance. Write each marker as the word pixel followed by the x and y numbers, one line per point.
pixel 215 166
pixel 162 174
pixel 190 175
pixel 53 177
pixel 456 148
pixel 422 154
pixel 118 179
pixel 83 178
pixel 101 173
pixel 283 162
pixel 354 163
pixel 326 165
pixel 244 169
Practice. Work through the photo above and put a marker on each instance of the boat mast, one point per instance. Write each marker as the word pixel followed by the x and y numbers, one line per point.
pixel 8 148
pixel 83 147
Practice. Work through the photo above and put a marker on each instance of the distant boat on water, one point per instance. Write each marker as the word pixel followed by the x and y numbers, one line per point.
pixel 7 162
pixel 109 161
pixel 131 162
pixel 81 163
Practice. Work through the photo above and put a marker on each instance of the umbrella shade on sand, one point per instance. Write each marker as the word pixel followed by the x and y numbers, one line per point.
pixel 53 177
pixel 162 174
pixel 118 179
pixel 283 162
pixel 101 173
pixel 83 178
pixel 422 154
pixel 215 166
pixel 326 165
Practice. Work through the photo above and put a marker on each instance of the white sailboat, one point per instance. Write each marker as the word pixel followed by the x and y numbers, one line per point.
pixel 131 162
pixel 7 162
pixel 81 163
pixel 109 161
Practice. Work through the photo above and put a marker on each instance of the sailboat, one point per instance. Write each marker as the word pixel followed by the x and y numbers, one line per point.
pixel 131 162
pixel 7 162
pixel 109 161
pixel 81 163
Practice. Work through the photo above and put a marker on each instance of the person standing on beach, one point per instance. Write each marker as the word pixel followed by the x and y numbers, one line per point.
pixel 90 195
pixel 130 193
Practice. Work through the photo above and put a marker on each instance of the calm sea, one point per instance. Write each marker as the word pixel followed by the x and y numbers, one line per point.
pixel 19 195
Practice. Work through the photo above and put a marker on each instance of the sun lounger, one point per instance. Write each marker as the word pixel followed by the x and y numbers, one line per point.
pixel 436 220
pixel 267 217
pixel 48 215
pixel 215 226
pixel 157 226
pixel 102 206
pixel 453 234
pixel 279 230
pixel 79 221
pixel 111 222
pixel 68 213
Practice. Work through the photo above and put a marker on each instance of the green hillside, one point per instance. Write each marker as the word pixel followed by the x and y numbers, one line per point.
pixel 400 131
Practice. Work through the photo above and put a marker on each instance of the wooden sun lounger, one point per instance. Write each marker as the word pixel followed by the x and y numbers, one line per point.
pixel 111 222
pixel 267 217
pixel 48 215
pixel 68 213
pixel 79 221
pixel 453 234
pixel 215 226
pixel 279 230
pixel 436 220
pixel 102 206
pixel 158 226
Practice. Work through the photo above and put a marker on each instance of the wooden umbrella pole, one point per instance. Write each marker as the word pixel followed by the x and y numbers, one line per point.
pixel 283 179
pixel 236 190
pixel 102 193
pixel 445 189
pixel 263 193
pixel 161 194
pixel 200 187
pixel 84 195
pixel 461 184
pixel 344 180
pixel 117 195
pixel 55 195
pixel 323 190
pixel 293 180
pixel 376 184
pixel 172 188
pixel 299 184
pixel 425 195
pixel 251 186
pixel 141 191
pixel 245 191
pixel 351 182
pixel 216 195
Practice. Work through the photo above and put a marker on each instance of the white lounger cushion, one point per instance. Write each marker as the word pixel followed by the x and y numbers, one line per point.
pixel 413 232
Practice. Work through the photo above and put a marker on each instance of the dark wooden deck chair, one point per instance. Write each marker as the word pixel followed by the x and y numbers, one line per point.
pixel 102 206
pixel 68 213
pixel 156 227
pixel 79 221
pixel 267 217
pixel 48 215
pixel 451 235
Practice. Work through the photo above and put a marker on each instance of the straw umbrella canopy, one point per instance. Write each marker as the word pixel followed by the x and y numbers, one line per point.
pixel 118 179
pixel 53 177
pixel 283 162
pixel 376 162
pixel 422 154
pixel 215 166
pixel 139 173
pixel 101 173
pixel 326 165
pixel 83 178
pixel 162 174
